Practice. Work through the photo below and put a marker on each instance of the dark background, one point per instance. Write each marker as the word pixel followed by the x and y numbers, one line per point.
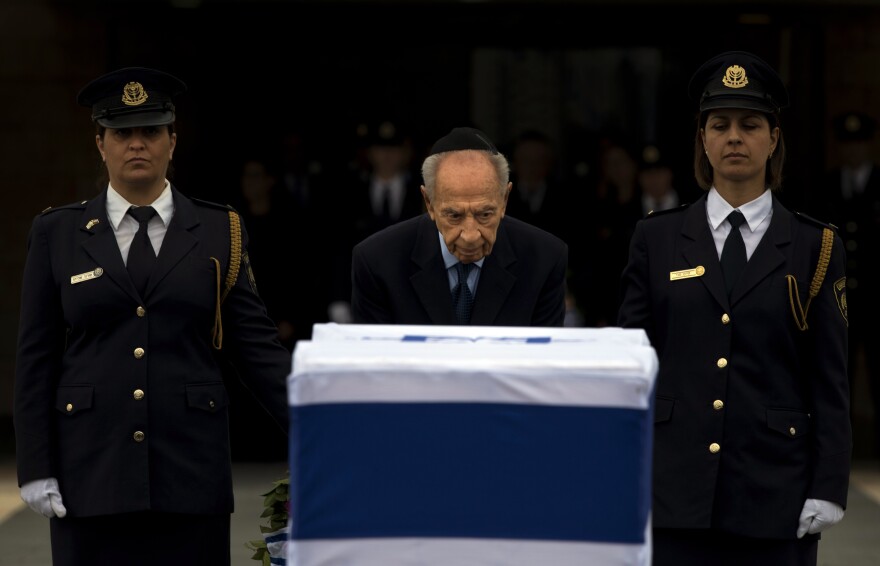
pixel 257 70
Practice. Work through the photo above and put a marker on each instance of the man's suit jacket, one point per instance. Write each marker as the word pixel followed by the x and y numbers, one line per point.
pixel 399 277
pixel 752 413
pixel 121 398
pixel 359 221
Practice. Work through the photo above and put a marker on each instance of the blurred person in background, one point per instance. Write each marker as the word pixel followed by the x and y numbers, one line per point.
pixel 850 199
pixel 384 192
pixel 656 188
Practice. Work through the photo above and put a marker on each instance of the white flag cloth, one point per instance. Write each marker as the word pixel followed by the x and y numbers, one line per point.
pixel 470 446
pixel 276 546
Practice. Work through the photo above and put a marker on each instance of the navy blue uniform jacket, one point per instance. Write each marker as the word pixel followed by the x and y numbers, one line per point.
pixel 398 277
pixel 740 374
pixel 97 364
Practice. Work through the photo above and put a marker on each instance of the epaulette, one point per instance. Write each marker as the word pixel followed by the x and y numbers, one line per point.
pixel 224 207
pixel 809 219
pixel 655 213
pixel 72 206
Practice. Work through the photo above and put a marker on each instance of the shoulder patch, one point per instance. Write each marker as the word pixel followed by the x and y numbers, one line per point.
pixel 225 207
pixel 810 220
pixel 72 206
pixel 678 208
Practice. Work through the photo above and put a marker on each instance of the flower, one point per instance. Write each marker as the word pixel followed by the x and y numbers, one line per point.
pixel 270 550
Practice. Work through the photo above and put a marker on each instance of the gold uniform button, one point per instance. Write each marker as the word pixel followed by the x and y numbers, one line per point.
pixel 141 312
pixel 69 407
pixel 138 394
pixel 138 353
pixel 722 362
pixel 211 403
pixel 725 319
pixel 138 436
pixel 792 431
pixel 718 404
pixel 714 448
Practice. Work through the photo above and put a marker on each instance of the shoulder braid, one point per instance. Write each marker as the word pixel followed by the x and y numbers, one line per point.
pixel 797 309
pixel 231 275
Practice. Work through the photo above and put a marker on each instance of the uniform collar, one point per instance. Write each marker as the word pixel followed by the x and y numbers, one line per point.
pixel 755 211
pixel 117 206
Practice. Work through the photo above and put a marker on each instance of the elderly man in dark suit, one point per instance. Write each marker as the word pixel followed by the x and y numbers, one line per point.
pixel 463 262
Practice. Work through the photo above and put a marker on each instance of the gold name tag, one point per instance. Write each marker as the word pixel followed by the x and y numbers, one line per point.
pixel 97 272
pixel 687 273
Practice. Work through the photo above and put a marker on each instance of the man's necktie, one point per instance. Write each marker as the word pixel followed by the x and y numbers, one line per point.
pixel 386 204
pixel 733 255
pixel 462 299
pixel 141 256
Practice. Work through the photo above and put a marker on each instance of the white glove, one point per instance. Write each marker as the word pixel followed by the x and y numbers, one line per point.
pixel 817 516
pixel 43 497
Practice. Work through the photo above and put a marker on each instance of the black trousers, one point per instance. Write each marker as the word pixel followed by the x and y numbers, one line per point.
pixel 707 547
pixel 141 539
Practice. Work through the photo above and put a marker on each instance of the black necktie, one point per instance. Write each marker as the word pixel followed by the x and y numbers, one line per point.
pixel 386 204
pixel 141 255
pixel 733 255
pixel 462 299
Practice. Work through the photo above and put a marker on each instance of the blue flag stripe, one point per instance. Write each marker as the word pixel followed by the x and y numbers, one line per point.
pixel 468 470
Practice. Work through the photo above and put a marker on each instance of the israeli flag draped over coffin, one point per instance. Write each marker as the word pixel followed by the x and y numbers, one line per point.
pixel 436 445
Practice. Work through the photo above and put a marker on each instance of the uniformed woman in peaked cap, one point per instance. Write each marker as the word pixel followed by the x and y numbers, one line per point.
pixel 130 300
pixel 745 304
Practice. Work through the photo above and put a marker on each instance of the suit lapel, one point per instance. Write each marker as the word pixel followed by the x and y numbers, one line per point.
pixel 430 281
pixel 700 250
pixel 495 281
pixel 178 241
pixel 100 244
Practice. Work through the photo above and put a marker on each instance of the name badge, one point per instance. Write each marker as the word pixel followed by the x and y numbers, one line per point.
pixel 687 273
pixel 97 272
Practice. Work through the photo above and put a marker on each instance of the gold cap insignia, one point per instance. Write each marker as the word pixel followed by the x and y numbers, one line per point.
pixel 133 94
pixel 852 124
pixel 735 77
pixel 386 130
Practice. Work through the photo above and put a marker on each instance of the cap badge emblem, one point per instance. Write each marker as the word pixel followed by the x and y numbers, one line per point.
pixel 735 77
pixel 852 124
pixel 133 94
